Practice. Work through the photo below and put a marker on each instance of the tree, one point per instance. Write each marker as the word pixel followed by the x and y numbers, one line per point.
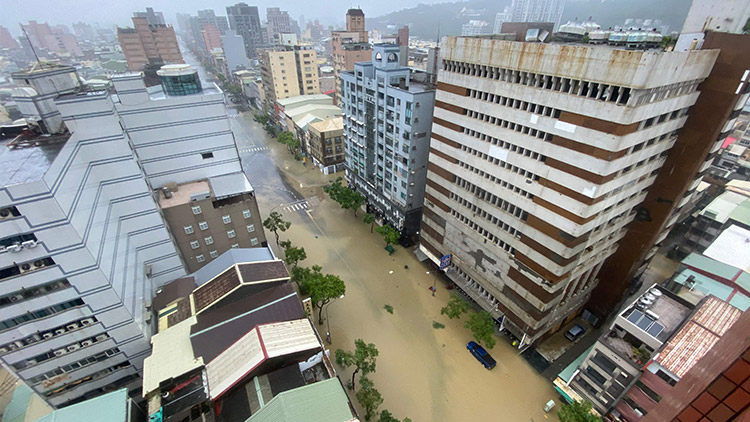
pixel 368 397
pixel 390 235
pixel 322 288
pixel 667 41
pixel 301 276
pixel 578 411
pixel 455 307
pixel 362 358
pixel 292 254
pixel 482 326
pixel 276 223
pixel 369 219
pixel 288 139
pixel 347 197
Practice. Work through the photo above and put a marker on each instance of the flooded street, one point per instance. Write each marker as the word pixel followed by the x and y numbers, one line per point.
pixel 422 372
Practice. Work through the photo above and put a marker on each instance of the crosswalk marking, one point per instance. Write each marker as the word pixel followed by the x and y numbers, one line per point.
pixel 254 149
pixel 297 206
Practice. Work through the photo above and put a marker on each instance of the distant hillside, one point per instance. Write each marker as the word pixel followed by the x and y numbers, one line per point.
pixel 425 19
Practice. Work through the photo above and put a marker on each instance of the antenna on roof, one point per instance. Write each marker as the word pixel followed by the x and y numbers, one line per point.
pixel 438 35
pixel 30 44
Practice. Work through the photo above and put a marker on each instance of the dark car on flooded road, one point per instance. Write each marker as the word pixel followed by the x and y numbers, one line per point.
pixel 482 356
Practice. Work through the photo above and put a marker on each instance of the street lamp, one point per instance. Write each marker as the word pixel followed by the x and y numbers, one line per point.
pixel 328 321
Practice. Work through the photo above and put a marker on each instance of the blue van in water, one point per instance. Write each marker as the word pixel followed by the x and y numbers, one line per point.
pixel 482 356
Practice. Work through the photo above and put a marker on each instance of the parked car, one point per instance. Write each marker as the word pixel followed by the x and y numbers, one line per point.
pixel 575 332
pixel 482 356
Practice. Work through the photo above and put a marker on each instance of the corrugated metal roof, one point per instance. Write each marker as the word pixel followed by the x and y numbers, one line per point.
pixel 264 342
pixel 110 407
pixel 698 335
pixel 571 369
pixel 229 258
pixel 230 184
pixel 720 208
pixel 710 265
pixel 171 356
pixel 323 401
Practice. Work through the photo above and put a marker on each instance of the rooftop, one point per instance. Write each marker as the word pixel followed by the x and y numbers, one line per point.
pixel 724 205
pixel 286 102
pixel 26 159
pixel 323 401
pixel 258 345
pixel 711 266
pixel 327 125
pixel 698 336
pixel 732 247
pixel 214 187
pixel 171 356
pixel 698 285
pixel 110 407
pixel 669 310
pixel 231 257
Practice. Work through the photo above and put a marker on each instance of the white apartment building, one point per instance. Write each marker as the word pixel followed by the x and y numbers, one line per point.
pixel 538 11
pixel 537 166
pixel 83 249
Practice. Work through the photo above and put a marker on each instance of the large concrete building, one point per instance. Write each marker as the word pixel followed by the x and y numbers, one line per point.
pixel 538 166
pixel 387 122
pixel 326 144
pixel 87 249
pixel 349 47
pixel 148 44
pixel 537 11
pixel 209 217
pixel 245 21
pixel 279 23
pixel 234 51
pixel 289 71
pixel 42 83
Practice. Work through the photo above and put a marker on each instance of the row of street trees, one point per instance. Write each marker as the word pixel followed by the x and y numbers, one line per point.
pixel 481 324
pixel 363 359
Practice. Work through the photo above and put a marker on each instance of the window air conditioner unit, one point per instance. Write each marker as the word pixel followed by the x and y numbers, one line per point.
pixel 48 334
pixel 14 248
pixel 60 352
pixel 74 347
pixel 29 244
pixel 101 337
pixel 72 326
pixel 16 298
pixel 4 350
pixel 86 343
pixel 87 321
pixel 60 331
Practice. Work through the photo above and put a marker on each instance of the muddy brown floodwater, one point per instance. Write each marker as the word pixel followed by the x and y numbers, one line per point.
pixel 422 372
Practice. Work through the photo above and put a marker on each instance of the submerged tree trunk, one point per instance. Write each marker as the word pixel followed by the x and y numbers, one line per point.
pixel 353 374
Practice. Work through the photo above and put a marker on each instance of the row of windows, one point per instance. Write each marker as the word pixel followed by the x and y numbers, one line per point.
pixel 43 357
pixel 498 162
pixel 226 218
pixel 509 125
pixel 595 90
pixel 52 333
pixel 515 103
pixel 93 377
pixel 507 145
pixel 73 366
pixel 487 216
pixel 210 240
pixel 214 254
pixel 479 229
pixel 41 313
pixel 30 293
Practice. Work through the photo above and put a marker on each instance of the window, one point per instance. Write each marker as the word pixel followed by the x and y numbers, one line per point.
pixel 209 240
pixel 246 214
pixel 250 228
pixel 203 225
pixel 227 219
pixel 214 254
pixel 663 375
pixel 206 155
pixel 188 229
pixel 595 375
pixel 653 395
pixel 231 234
pixel 235 245
pixel 254 241
pixel 194 244
pixel 197 209
pixel 200 258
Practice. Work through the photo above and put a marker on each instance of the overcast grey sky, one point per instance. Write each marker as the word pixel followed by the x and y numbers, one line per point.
pixel 118 12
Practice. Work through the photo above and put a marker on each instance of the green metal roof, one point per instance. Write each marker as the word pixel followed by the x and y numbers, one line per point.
pixel 569 370
pixel 323 401
pixel 741 214
pixel 111 407
pixel 710 265
pixel 16 409
pixel 712 287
